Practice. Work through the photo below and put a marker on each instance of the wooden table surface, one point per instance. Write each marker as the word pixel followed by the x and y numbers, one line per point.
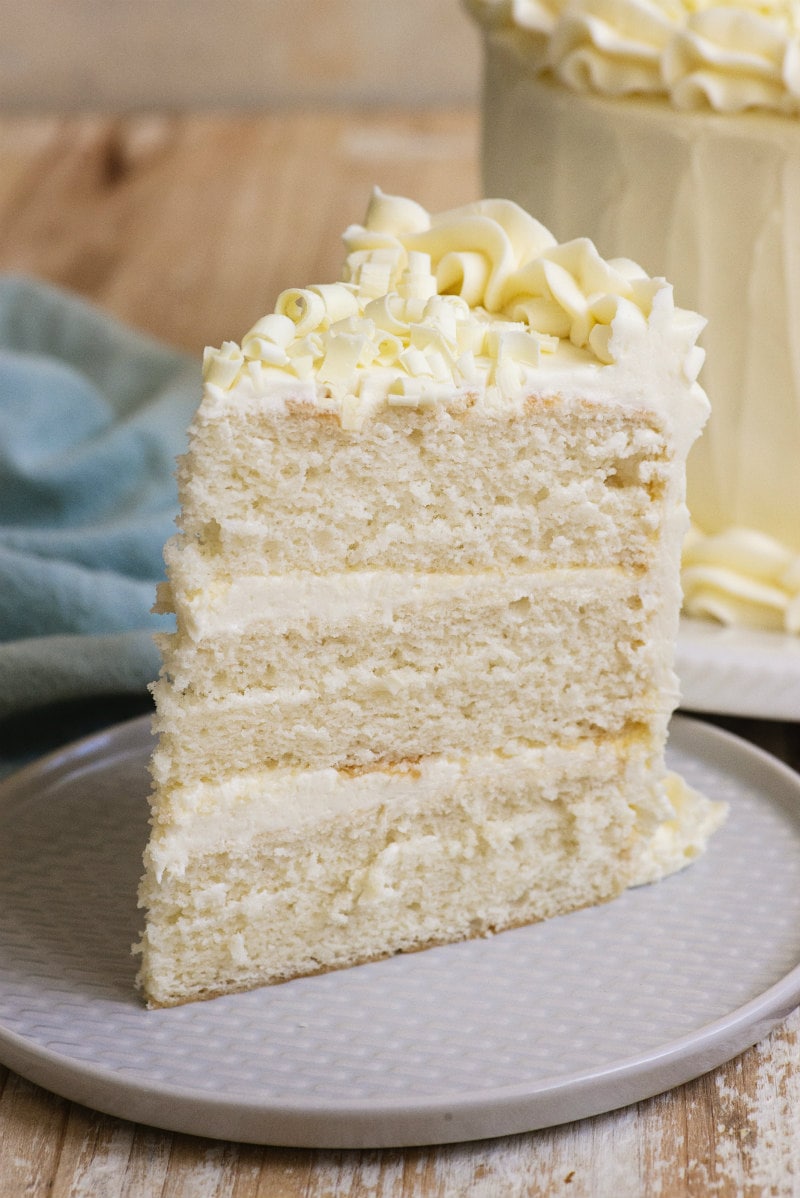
pixel 188 227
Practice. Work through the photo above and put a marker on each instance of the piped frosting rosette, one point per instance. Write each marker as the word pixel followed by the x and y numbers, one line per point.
pixel 475 298
pixel 742 577
pixel 724 56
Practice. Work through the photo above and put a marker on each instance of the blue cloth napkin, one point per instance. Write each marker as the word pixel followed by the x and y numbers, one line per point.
pixel 92 417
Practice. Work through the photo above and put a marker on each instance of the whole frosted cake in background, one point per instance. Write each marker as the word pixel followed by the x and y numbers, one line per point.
pixel 426 588
pixel 668 130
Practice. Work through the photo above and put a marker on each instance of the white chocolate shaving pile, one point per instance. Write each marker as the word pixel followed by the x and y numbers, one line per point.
pixel 475 298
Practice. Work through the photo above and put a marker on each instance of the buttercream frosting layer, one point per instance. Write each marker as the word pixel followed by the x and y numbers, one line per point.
pixel 210 818
pixel 289 602
pixel 354 669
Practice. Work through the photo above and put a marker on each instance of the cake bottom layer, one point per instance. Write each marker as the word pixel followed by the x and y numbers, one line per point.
pixel 288 873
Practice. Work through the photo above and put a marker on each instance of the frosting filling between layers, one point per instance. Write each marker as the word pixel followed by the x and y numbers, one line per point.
pixel 274 605
pixel 409 664
pixel 211 816
pixel 363 865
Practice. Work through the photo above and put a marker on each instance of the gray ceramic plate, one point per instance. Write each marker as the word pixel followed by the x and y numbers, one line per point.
pixel 535 1027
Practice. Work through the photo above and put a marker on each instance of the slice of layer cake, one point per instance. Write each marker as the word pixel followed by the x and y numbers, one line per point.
pixel 426 589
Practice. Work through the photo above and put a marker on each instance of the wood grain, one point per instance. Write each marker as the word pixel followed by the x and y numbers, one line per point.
pixel 187 227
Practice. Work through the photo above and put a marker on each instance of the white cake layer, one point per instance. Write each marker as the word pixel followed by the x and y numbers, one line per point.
pixel 354 668
pixel 710 200
pixel 284 872
pixel 552 484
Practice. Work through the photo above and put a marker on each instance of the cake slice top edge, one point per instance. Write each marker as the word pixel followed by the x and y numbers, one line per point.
pixel 480 306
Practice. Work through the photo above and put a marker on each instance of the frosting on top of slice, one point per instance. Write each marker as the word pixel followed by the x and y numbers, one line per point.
pixel 701 54
pixel 479 299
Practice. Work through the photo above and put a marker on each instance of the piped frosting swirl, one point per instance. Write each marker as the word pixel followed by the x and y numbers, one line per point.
pixel 728 57
pixel 741 577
